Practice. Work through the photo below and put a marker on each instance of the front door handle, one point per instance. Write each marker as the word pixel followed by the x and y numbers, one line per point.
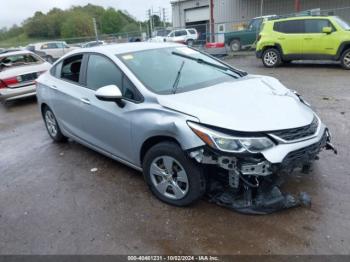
pixel 85 101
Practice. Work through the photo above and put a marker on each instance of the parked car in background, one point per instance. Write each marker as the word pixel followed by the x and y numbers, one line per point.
pixel 50 51
pixel 92 44
pixel 304 38
pixel 184 36
pixel 18 71
pixel 159 35
pixel 185 119
pixel 242 39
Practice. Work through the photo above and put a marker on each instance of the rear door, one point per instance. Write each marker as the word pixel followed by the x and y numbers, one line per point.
pixel 106 125
pixel 317 42
pixel 67 91
pixel 290 35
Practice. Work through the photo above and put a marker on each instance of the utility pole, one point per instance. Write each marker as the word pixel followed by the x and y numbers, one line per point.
pixel 164 18
pixel 95 28
pixel 262 8
pixel 150 21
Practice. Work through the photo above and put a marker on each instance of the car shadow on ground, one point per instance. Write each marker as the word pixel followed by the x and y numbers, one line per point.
pixel 21 102
pixel 313 65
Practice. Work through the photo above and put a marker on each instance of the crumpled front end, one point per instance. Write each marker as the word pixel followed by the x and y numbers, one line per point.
pixel 250 182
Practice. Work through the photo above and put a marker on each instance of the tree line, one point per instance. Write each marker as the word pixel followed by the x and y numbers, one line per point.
pixel 73 22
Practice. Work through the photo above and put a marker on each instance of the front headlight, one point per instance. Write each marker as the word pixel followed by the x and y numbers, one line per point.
pixel 229 143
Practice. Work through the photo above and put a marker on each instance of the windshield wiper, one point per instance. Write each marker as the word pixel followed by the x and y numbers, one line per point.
pixel 201 61
pixel 177 80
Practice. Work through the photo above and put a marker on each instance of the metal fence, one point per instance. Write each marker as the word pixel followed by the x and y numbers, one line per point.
pixel 207 32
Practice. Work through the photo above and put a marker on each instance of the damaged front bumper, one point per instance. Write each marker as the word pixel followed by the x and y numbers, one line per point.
pixel 249 183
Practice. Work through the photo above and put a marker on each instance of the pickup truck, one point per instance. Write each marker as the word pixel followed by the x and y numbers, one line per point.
pixel 242 39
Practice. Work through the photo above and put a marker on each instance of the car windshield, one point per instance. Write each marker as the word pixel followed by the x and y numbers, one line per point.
pixel 10 61
pixel 342 23
pixel 158 69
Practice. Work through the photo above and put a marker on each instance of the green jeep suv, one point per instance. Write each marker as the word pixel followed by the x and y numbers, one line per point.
pixel 304 38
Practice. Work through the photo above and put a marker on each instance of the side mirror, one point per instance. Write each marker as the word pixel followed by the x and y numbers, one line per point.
pixel 327 30
pixel 110 93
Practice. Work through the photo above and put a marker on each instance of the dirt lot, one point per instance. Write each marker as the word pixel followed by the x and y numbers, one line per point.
pixel 50 202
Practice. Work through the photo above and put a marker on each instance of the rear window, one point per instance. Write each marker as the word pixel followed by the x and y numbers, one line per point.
pixel 192 32
pixel 289 27
pixel 18 60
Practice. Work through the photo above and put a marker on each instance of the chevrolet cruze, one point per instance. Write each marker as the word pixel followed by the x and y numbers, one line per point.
pixel 191 123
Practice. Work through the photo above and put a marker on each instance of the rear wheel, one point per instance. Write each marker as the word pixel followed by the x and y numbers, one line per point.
pixel 345 59
pixel 271 58
pixel 52 126
pixel 190 42
pixel 172 176
pixel 235 45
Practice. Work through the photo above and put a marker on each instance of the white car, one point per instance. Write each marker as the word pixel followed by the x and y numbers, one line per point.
pixel 18 72
pixel 51 51
pixel 183 36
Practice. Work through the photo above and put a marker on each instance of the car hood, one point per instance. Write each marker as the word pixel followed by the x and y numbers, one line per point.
pixel 250 104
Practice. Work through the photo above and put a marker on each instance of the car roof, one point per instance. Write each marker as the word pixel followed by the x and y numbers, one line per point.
pixel 308 17
pixel 21 52
pixel 115 49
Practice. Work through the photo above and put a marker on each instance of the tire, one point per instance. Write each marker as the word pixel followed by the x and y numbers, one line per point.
pixel 190 42
pixel 271 58
pixel 52 126
pixel 181 185
pixel 235 45
pixel 49 59
pixel 345 59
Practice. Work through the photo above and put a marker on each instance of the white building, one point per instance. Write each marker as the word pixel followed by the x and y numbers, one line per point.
pixel 221 16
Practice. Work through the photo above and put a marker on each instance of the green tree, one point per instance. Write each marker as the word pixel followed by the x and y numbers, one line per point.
pixel 77 24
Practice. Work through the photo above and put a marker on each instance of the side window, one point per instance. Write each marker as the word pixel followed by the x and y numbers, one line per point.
pixel 59 45
pixel 290 27
pixel 129 90
pixel 45 46
pixel 316 25
pixel 193 32
pixel 56 70
pixel 172 34
pixel 52 46
pixel 71 68
pixel 180 33
pixel 102 72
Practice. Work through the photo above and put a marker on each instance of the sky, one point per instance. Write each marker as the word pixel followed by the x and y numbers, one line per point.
pixel 15 11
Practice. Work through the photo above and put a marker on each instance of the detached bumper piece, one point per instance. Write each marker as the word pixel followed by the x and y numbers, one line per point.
pixel 256 202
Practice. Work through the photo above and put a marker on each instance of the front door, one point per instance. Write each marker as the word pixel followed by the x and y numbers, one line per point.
pixel 316 42
pixel 106 125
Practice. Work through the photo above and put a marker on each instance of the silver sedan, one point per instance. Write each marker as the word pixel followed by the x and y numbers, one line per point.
pixel 183 118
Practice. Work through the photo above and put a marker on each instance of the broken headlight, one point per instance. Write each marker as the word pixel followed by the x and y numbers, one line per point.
pixel 229 143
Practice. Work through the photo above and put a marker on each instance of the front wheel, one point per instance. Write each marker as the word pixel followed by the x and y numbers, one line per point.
pixel 345 60
pixel 271 58
pixel 172 176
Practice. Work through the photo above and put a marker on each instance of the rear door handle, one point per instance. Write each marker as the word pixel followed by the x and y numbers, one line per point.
pixel 308 38
pixel 85 101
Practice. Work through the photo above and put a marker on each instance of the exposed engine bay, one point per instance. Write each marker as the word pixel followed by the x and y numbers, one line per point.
pixel 248 183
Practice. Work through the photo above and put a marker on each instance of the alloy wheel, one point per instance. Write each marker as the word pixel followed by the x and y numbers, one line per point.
pixel 347 60
pixel 169 177
pixel 51 123
pixel 270 58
